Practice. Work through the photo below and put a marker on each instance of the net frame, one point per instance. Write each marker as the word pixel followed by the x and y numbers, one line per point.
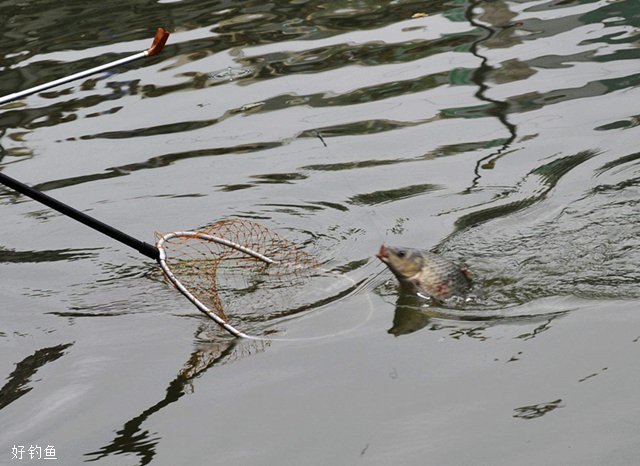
pixel 196 263
pixel 166 269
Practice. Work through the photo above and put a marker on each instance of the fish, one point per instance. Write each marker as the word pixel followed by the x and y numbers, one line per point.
pixel 426 273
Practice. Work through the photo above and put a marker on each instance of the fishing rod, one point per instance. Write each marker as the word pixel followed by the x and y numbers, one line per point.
pixel 159 40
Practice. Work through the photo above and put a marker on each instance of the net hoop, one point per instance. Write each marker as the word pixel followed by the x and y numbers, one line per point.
pixel 162 260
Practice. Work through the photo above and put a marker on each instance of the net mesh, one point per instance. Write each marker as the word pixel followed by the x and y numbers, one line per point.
pixel 234 285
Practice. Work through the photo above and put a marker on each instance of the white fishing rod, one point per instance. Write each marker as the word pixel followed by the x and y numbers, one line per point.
pixel 156 47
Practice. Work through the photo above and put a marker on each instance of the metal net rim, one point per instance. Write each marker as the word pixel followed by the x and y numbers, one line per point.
pixel 166 269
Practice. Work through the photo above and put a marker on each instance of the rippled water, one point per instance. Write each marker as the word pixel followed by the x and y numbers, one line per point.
pixel 501 134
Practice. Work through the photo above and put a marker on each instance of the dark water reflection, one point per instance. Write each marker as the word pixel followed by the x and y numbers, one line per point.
pixel 19 380
pixel 133 438
pixel 501 134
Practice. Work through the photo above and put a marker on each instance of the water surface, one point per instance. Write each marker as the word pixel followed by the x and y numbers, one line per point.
pixel 502 134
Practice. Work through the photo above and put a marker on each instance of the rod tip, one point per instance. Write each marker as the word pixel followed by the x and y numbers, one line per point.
pixel 158 42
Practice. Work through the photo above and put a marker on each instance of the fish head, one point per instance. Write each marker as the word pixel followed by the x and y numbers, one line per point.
pixel 405 263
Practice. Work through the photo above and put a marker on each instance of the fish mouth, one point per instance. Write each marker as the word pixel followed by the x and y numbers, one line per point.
pixel 383 254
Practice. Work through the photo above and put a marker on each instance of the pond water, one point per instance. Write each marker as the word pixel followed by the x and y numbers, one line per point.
pixel 499 133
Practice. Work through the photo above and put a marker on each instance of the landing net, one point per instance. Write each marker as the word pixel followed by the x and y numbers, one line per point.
pixel 234 269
